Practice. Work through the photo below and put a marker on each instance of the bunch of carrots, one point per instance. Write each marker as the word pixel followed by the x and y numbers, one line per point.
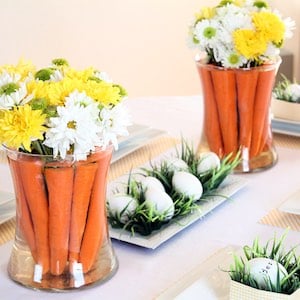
pixel 61 209
pixel 236 105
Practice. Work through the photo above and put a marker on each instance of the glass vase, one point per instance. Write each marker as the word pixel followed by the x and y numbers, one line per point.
pixel 61 240
pixel 237 113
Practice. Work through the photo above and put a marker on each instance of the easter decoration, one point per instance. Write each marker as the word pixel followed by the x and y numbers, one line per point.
pixel 167 190
pixel 265 271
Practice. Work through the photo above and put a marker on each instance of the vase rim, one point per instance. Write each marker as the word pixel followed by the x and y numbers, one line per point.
pixel 202 62
pixel 69 157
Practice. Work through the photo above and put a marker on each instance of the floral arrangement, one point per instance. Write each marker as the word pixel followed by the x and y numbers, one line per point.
pixel 239 33
pixel 170 189
pixel 58 110
pixel 268 267
pixel 287 91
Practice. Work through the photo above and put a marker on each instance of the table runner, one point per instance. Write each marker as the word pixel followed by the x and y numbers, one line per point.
pixel 142 155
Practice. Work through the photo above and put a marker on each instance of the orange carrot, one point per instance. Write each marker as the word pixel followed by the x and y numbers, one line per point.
pixel 23 217
pixel 96 225
pixel 83 183
pixel 225 93
pixel 31 172
pixel 59 182
pixel 246 89
pixel 261 110
pixel 211 119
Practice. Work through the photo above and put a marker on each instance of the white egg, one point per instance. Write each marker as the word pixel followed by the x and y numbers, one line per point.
pixel 187 184
pixel 208 161
pixel 264 270
pixel 123 205
pixel 160 201
pixel 177 164
pixel 151 181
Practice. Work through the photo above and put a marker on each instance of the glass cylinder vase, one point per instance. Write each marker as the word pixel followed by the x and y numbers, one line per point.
pixel 61 240
pixel 237 113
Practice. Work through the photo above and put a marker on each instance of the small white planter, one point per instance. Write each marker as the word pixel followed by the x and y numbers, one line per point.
pixel 285 110
pixel 240 291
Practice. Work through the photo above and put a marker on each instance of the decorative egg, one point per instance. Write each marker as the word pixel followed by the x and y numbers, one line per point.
pixel 264 270
pixel 188 185
pixel 151 181
pixel 177 164
pixel 122 205
pixel 160 201
pixel 208 161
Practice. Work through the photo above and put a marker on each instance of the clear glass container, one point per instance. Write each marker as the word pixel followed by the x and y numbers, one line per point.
pixel 62 240
pixel 237 113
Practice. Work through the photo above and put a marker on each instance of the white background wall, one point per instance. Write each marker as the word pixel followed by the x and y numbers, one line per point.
pixel 140 43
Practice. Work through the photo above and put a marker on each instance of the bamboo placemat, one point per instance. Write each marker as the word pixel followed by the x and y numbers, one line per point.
pixel 133 160
pixel 287 141
pixel 281 219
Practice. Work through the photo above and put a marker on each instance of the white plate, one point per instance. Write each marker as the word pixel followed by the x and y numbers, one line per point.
pixel 139 135
pixel 286 127
pixel 206 280
pixel 7 211
pixel 291 204
pixel 230 186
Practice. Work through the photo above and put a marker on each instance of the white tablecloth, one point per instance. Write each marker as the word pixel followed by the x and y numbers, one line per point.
pixel 144 273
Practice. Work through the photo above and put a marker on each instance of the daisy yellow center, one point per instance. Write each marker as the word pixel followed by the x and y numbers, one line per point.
pixel 233 59
pixel 71 125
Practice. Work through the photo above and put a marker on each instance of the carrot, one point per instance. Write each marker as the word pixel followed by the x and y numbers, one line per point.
pixel 261 110
pixel 59 181
pixel 31 173
pixel 96 224
pixel 83 183
pixel 211 119
pixel 246 89
pixel 24 221
pixel 225 93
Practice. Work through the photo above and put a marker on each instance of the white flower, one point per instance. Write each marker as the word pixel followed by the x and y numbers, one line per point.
pixel 74 127
pixel 114 122
pixel 206 33
pixel 56 76
pixel 103 76
pixel 290 25
pixel 12 92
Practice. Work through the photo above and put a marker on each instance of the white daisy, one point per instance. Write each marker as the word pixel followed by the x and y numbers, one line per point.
pixel 12 92
pixel 56 76
pixel 206 33
pixel 293 91
pixel 75 127
pixel 114 123
pixel 103 76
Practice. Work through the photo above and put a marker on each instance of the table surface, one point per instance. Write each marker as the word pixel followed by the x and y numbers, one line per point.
pixel 145 273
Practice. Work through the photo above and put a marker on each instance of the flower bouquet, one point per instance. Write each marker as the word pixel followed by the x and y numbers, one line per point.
pixel 239 44
pixel 58 126
pixel 266 272
pixel 286 100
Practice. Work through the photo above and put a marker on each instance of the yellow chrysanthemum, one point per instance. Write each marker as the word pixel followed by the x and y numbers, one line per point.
pixel 249 43
pixel 102 92
pixel 82 75
pixel 206 13
pixel 20 126
pixel 23 68
pixel 269 26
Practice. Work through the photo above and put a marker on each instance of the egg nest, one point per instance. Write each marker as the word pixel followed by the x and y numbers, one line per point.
pixel 144 220
pixel 274 250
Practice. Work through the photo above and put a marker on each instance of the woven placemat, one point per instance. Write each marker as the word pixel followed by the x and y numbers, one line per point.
pixel 281 219
pixel 133 160
pixel 287 141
